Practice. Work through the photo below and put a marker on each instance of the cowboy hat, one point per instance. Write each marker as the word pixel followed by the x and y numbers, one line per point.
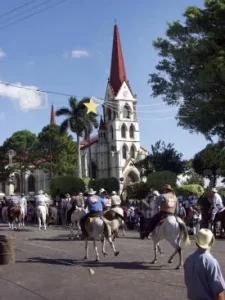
pixel 40 192
pixel 205 238
pixel 101 190
pixel 91 192
pixel 80 194
pixel 167 187
pixel 113 193
pixel 156 193
pixel 214 190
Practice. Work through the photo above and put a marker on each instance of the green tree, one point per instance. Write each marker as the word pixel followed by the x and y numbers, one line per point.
pixel 77 120
pixel 24 144
pixel 162 158
pixel 191 70
pixel 58 150
pixel 210 162
pixel 157 179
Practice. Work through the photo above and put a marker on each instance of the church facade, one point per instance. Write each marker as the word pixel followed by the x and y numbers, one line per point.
pixel 117 148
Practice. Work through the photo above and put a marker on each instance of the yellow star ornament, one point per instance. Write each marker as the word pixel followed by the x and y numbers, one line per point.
pixel 91 106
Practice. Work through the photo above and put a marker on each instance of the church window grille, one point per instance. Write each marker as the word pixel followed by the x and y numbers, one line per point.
pixel 131 130
pixel 124 152
pixel 17 182
pixel 132 152
pixel 126 112
pixel 31 183
pixel 123 131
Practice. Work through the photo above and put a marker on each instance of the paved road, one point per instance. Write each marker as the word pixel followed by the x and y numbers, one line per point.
pixel 49 266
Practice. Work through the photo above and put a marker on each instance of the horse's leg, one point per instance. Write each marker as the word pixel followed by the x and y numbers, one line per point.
pixel 161 252
pixel 72 234
pixel 96 250
pixel 178 249
pixel 155 252
pixel 112 246
pixel 103 247
pixel 39 222
pixel 86 249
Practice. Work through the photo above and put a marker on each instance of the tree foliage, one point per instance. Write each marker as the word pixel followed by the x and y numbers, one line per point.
pixel 191 70
pixel 57 151
pixel 109 184
pixel 210 162
pixel 137 190
pixel 162 158
pixel 189 189
pixel 157 179
pixel 66 184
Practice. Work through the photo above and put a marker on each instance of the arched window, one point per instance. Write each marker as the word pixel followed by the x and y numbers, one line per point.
pixel 31 183
pixel 109 114
pixel 123 131
pixel 17 183
pixel 132 152
pixel 126 112
pixel 131 131
pixel 111 129
pixel 124 152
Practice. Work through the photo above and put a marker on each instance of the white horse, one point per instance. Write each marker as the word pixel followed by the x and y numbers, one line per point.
pixel 96 230
pixel 22 216
pixel 42 215
pixel 75 221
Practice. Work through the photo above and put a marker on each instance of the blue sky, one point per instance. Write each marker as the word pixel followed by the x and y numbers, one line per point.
pixel 68 49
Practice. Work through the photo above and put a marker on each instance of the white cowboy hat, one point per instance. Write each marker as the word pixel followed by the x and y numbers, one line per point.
pixel 40 192
pixel 114 193
pixel 131 208
pixel 80 194
pixel 156 193
pixel 12 194
pixel 91 192
pixel 101 190
pixel 205 238
pixel 214 190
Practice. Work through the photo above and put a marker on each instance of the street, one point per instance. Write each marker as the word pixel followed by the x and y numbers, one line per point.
pixel 50 266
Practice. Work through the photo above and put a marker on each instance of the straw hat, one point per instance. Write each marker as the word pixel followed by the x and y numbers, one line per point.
pixel 205 238
pixel 156 193
pixel 114 193
pixel 101 190
pixel 91 192
pixel 40 192
pixel 214 190
pixel 167 187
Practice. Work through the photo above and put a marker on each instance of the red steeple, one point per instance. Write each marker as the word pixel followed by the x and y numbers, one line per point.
pixel 118 72
pixel 52 118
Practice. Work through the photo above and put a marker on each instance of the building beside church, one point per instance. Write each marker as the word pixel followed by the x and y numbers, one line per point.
pixel 117 147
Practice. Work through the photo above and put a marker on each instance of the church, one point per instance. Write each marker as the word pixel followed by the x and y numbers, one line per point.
pixel 116 148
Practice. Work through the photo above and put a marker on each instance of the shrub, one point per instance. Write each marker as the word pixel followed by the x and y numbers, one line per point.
pixel 188 189
pixel 66 184
pixel 137 190
pixel 109 184
pixel 157 179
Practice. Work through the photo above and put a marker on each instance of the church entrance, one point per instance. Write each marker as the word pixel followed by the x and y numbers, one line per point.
pixel 131 178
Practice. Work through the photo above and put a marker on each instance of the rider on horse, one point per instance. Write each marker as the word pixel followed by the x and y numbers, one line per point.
pixel 217 204
pixel 115 200
pixel 167 204
pixel 95 209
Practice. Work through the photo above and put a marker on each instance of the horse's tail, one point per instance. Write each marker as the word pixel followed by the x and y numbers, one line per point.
pixel 184 232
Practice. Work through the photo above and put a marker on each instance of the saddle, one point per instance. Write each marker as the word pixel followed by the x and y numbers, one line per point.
pixel 161 221
pixel 87 224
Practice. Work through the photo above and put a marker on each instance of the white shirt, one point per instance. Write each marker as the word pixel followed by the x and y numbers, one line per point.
pixel 217 201
pixel 40 200
pixel 14 200
pixel 115 200
pixel 23 201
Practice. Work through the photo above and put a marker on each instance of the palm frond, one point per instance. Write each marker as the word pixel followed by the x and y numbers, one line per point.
pixel 63 112
pixel 73 103
pixel 64 126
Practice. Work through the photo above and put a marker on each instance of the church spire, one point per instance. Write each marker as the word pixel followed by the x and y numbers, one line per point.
pixel 118 72
pixel 52 117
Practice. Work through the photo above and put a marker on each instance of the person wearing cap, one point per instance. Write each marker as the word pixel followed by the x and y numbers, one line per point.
pixel 167 205
pixel 202 274
pixel 79 200
pixel 102 193
pixel 217 204
pixel 95 206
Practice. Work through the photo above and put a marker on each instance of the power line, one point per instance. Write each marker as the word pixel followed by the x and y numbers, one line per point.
pixel 27 10
pixel 17 8
pixel 31 15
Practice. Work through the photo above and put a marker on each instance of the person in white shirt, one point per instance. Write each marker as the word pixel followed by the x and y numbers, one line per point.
pixel 40 199
pixel 217 204
pixel 115 199
pixel 23 203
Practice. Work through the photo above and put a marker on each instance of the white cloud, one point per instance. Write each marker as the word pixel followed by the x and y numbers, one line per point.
pixel 25 98
pixel 2 117
pixel 2 53
pixel 79 53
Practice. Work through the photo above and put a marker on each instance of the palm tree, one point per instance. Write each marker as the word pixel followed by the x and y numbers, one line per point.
pixel 79 122
pixel 75 121
pixel 91 123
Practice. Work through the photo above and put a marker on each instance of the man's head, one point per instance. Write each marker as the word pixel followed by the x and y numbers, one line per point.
pixel 205 239
pixel 113 193
pixel 167 188
pixel 156 193
pixel 214 190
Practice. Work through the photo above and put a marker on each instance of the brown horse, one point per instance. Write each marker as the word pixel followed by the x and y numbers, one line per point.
pixel 14 217
pixel 219 223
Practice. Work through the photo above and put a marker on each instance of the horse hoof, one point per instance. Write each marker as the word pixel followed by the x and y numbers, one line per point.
pixel 97 260
pixel 85 257
pixel 170 261
pixel 116 253
pixel 153 262
pixel 178 268
pixel 105 253
pixel 70 238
